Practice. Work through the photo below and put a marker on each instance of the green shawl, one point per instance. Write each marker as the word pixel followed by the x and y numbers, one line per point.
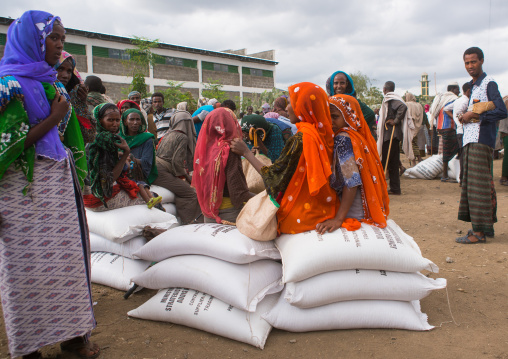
pixel 137 140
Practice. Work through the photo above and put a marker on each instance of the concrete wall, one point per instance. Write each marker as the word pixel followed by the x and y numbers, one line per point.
pixel 104 65
pixel 175 73
pixel 193 91
pixel 81 64
pixel 224 78
pixel 114 90
pixel 257 81
pixel 2 47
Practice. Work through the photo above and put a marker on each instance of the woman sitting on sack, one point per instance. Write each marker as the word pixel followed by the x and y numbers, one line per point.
pixel 299 177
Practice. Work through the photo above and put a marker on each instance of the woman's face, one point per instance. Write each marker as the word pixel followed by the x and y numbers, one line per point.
pixel 340 83
pixel 125 107
pixel 54 44
pixel 64 72
pixel 133 123
pixel 291 114
pixel 111 121
pixel 250 110
pixel 338 121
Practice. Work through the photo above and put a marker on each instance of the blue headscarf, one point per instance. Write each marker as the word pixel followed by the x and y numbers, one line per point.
pixel 24 58
pixel 329 84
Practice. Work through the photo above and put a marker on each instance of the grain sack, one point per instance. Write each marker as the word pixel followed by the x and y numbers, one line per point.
pixel 115 271
pixel 307 254
pixel 211 239
pixel 125 249
pixel 241 285
pixel 454 169
pixel 355 314
pixel 170 208
pixel 356 284
pixel 254 179
pixel 122 224
pixel 202 311
pixel 167 195
pixel 429 169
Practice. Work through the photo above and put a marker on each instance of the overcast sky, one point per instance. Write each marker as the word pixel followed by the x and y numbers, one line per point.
pixel 387 40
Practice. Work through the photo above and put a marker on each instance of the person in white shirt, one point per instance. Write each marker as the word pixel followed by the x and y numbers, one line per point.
pixel 459 108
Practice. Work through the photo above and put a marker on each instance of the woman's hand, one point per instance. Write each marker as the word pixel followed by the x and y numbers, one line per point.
pixel 59 109
pixel 123 146
pixel 82 92
pixel 239 147
pixel 330 225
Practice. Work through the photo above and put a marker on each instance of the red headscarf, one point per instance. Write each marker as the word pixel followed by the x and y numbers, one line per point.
pixel 210 158
pixel 120 103
pixel 374 190
pixel 309 199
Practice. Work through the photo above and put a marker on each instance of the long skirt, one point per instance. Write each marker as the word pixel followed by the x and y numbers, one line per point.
pixel 44 258
pixel 478 201
pixel 450 143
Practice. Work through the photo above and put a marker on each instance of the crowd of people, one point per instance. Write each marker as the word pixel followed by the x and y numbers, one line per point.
pixel 65 146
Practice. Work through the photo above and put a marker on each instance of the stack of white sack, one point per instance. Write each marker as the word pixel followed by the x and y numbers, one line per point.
pixel 116 234
pixel 432 167
pixel 211 277
pixel 367 278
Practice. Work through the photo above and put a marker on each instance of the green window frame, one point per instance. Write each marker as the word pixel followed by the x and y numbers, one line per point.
pixel 75 49
pixel 110 53
pixel 256 72
pixel 3 39
pixel 212 66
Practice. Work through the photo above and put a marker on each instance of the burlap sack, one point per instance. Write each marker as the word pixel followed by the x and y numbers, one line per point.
pixel 258 218
pixel 254 179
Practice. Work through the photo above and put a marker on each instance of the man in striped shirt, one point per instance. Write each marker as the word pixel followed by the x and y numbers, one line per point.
pixel 161 115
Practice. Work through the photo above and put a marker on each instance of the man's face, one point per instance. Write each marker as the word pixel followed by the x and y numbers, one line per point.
pixel 473 65
pixel 136 98
pixel 157 103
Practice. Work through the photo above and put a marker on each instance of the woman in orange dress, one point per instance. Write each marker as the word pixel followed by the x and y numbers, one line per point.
pixel 299 178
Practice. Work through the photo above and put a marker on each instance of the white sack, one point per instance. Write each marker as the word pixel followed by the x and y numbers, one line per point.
pixel 241 285
pixel 429 169
pixel 125 249
pixel 339 286
pixel 115 271
pixel 356 314
pixel 307 254
pixel 202 311
pixel 212 239
pixel 122 224
pixel 454 168
pixel 167 195
pixel 170 208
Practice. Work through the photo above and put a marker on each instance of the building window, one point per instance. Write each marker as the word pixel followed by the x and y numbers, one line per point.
pixel 176 61
pixel 257 72
pixel 75 49
pixel 111 53
pixel 3 39
pixel 219 67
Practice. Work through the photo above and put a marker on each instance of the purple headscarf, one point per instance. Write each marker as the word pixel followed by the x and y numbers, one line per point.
pixel 24 58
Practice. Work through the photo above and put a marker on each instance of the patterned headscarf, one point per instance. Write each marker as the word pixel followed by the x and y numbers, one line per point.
pixel 211 157
pixel 375 198
pixel 76 77
pixel 132 93
pixel 132 103
pixel 329 84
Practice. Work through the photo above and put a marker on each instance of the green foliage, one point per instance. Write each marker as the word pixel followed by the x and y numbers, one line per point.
pixel 256 100
pixel 174 94
pixel 373 97
pixel 141 58
pixel 214 89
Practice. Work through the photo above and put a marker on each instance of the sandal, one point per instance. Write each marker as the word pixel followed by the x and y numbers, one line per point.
pixel 154 201
pixel 466 240
pixel 84 350
pixel 402 169
pixel 445 179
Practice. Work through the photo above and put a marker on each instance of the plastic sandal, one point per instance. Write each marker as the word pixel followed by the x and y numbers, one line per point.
pixel 466 240
pixel 154 201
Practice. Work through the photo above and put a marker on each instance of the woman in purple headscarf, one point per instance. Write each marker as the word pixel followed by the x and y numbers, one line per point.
pixel 44 246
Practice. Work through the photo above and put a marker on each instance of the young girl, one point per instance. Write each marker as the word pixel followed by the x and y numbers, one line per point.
pixel 105 168
pixel 358 176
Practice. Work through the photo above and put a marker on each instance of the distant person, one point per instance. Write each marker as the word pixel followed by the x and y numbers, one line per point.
pixel 392 116
pixel 416 112
pixel 440 101
pixel 94 96
pixel 229 104
pixel 125 105
pixel 161 116
pixel 279 106
pixel 459 108
pixel 266 108
pixel 478 201
pixel 200 114
pixel 103 93
pixel 250 110
pixel 503 130
pixel 446 129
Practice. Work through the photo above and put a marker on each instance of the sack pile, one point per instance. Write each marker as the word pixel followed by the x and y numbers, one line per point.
pixel 211 277
pixel 432 167
pixel 367 278
pixel 116 234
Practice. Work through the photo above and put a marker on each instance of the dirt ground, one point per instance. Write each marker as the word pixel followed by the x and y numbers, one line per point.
pixel 471 316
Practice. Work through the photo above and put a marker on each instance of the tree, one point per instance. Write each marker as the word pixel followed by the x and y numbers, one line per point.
pixel 140 60
pixel 365 92
pixel 374 97
pixel 174 94
pixel 214 89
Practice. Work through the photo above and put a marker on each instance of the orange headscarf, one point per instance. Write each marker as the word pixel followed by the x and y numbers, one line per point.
pixel 309 199
pixel 211 157
pixel 374 190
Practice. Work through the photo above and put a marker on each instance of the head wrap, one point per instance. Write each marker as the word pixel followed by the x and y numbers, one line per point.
pixel 212 102
pixel 309 199
pixel 123 126
pixel 409 97
pixel 374 190
pixel 182 106
pixel 132 93
pixel 427 107
pixel 132 103
pixel 329 84
pixel 279 106
pixel 211 156
pixel 256 121
pixel 265 107
pixel 76 77
pixel 24 58
pixel 272 115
